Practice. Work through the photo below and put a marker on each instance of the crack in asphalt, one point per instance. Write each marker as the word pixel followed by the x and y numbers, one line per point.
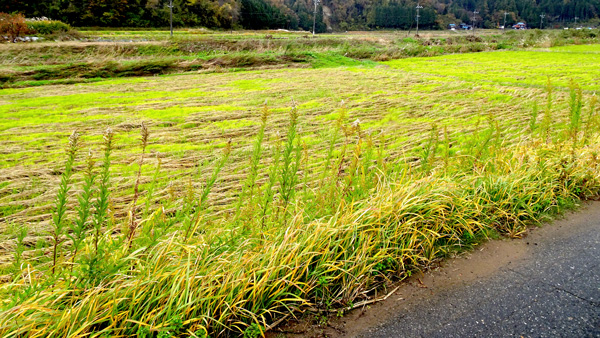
pixel 556 287
pixel 591 302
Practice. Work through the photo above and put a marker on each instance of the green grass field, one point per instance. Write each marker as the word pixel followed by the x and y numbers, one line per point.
pixel 111 54
pixel 370 134
pixel 190 116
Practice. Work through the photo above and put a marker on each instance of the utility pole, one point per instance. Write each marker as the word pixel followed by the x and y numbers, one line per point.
pixel 171 16
pixel 474 14
pixel 576 21
pixel 504 26
pixel 542 16
pixel 418 16
pixel 315 17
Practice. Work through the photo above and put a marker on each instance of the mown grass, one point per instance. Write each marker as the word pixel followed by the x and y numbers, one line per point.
pixel 193 115
pixel 522 68
pixel 231 213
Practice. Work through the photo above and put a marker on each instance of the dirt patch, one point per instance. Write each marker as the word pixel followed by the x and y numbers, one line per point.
pixel 483 262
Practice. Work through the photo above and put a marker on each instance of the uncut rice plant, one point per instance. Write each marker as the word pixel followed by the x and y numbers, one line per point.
pixel 293 244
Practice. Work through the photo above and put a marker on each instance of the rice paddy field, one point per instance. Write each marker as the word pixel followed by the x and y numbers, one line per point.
pixel 236 198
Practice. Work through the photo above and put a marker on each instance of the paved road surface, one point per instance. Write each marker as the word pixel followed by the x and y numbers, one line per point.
pixel 553 290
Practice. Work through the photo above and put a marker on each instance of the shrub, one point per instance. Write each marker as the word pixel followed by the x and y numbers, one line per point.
pixel 48 27
pixel 12 26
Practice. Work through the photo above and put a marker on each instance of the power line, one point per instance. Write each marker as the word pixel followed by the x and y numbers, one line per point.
pixel 418 7
pixel 315 16
pixel 542 16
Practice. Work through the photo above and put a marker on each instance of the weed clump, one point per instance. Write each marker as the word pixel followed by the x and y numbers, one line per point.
pixel 49 27
pixel 60 209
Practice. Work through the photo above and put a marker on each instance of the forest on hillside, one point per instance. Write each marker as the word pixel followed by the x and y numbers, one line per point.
pixel 298 14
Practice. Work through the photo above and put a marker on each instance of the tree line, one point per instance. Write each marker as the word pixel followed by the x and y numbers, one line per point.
pixel 298 14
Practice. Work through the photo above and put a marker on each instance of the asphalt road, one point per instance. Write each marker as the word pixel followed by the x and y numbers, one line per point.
pixel 553 290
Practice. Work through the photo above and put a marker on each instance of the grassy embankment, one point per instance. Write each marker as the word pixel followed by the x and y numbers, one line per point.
pixel 121 54
pixel 301 209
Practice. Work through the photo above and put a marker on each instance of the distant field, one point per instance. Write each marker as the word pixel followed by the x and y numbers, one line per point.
pixel 191 116
pixel 593 49
pixel 99 55
pixel 514 68
pixel 183 33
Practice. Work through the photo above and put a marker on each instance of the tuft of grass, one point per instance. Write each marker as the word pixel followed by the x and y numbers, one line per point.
pixel 248 190
pixel 133 222
pixel 102 201
pixel 547 120
pixel 575 117
pixel 290 160
pixel 78 228
pixel 195 223
pixel 60 208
